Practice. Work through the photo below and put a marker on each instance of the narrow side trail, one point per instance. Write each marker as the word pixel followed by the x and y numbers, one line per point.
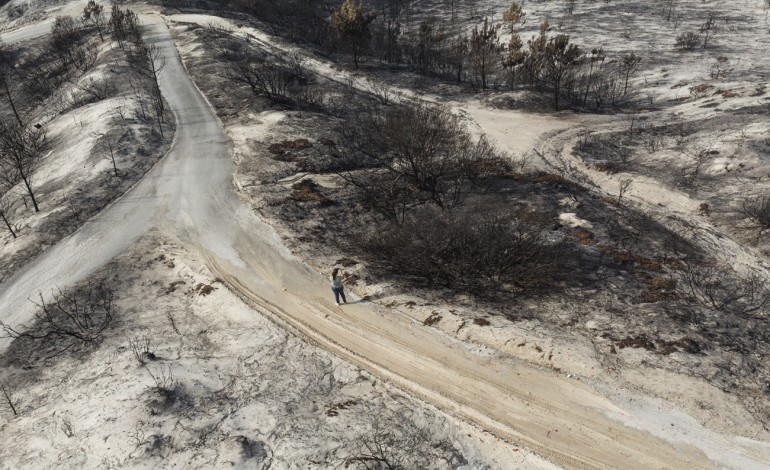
pixel 189 195
pixel 673 208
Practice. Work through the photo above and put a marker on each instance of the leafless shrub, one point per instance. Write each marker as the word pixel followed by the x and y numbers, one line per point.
pixel 79 315
pixel 722 67
pixel 708 28
pixel 382 93
pixel 623 188
pixel 704 287
pixel 757 211
pixel 683 134
pixel 98 89
pixel 561 170
pixel 432 319
pixel 311 97
pixel 120 110
pixel 214 31
pixel 86 57
pixel 412 155
pixel 138 436
pixel 75 211
pixel 163 378
pixel 688 41
pixel 652 139
pixel 584 137
pixel 267 78
pixel 699 154
pixel 140 347
pixel 397 443
pixel 279 79
pixel 298 67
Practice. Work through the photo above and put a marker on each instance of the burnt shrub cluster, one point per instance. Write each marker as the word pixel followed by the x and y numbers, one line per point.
pixel 436 216
pixel 489 255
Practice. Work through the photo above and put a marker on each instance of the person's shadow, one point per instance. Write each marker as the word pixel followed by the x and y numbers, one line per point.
pixel 371 298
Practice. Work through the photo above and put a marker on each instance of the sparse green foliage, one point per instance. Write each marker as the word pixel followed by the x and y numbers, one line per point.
pixel 351 23
pixel 514 15
pixel 514 57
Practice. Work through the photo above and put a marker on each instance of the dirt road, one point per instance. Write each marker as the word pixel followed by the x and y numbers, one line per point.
pixel 189 195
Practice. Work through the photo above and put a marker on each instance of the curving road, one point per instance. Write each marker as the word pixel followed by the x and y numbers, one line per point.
pixel 189 195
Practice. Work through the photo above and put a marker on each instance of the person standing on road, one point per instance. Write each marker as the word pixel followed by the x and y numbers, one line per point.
pixel 338 287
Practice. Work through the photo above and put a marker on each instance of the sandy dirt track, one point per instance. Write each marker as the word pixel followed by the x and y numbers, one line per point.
pixel 190 196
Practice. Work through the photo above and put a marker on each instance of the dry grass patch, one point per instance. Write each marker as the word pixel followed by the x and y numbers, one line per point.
pixel 289 145
pixel 307 191
pixel 625 258
pixel 432 319
pixel 699 91
pixel 584 237
pixel 727 93
pixel 335 408
pixel 606 167
pixel 289 150
pixel 204 289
